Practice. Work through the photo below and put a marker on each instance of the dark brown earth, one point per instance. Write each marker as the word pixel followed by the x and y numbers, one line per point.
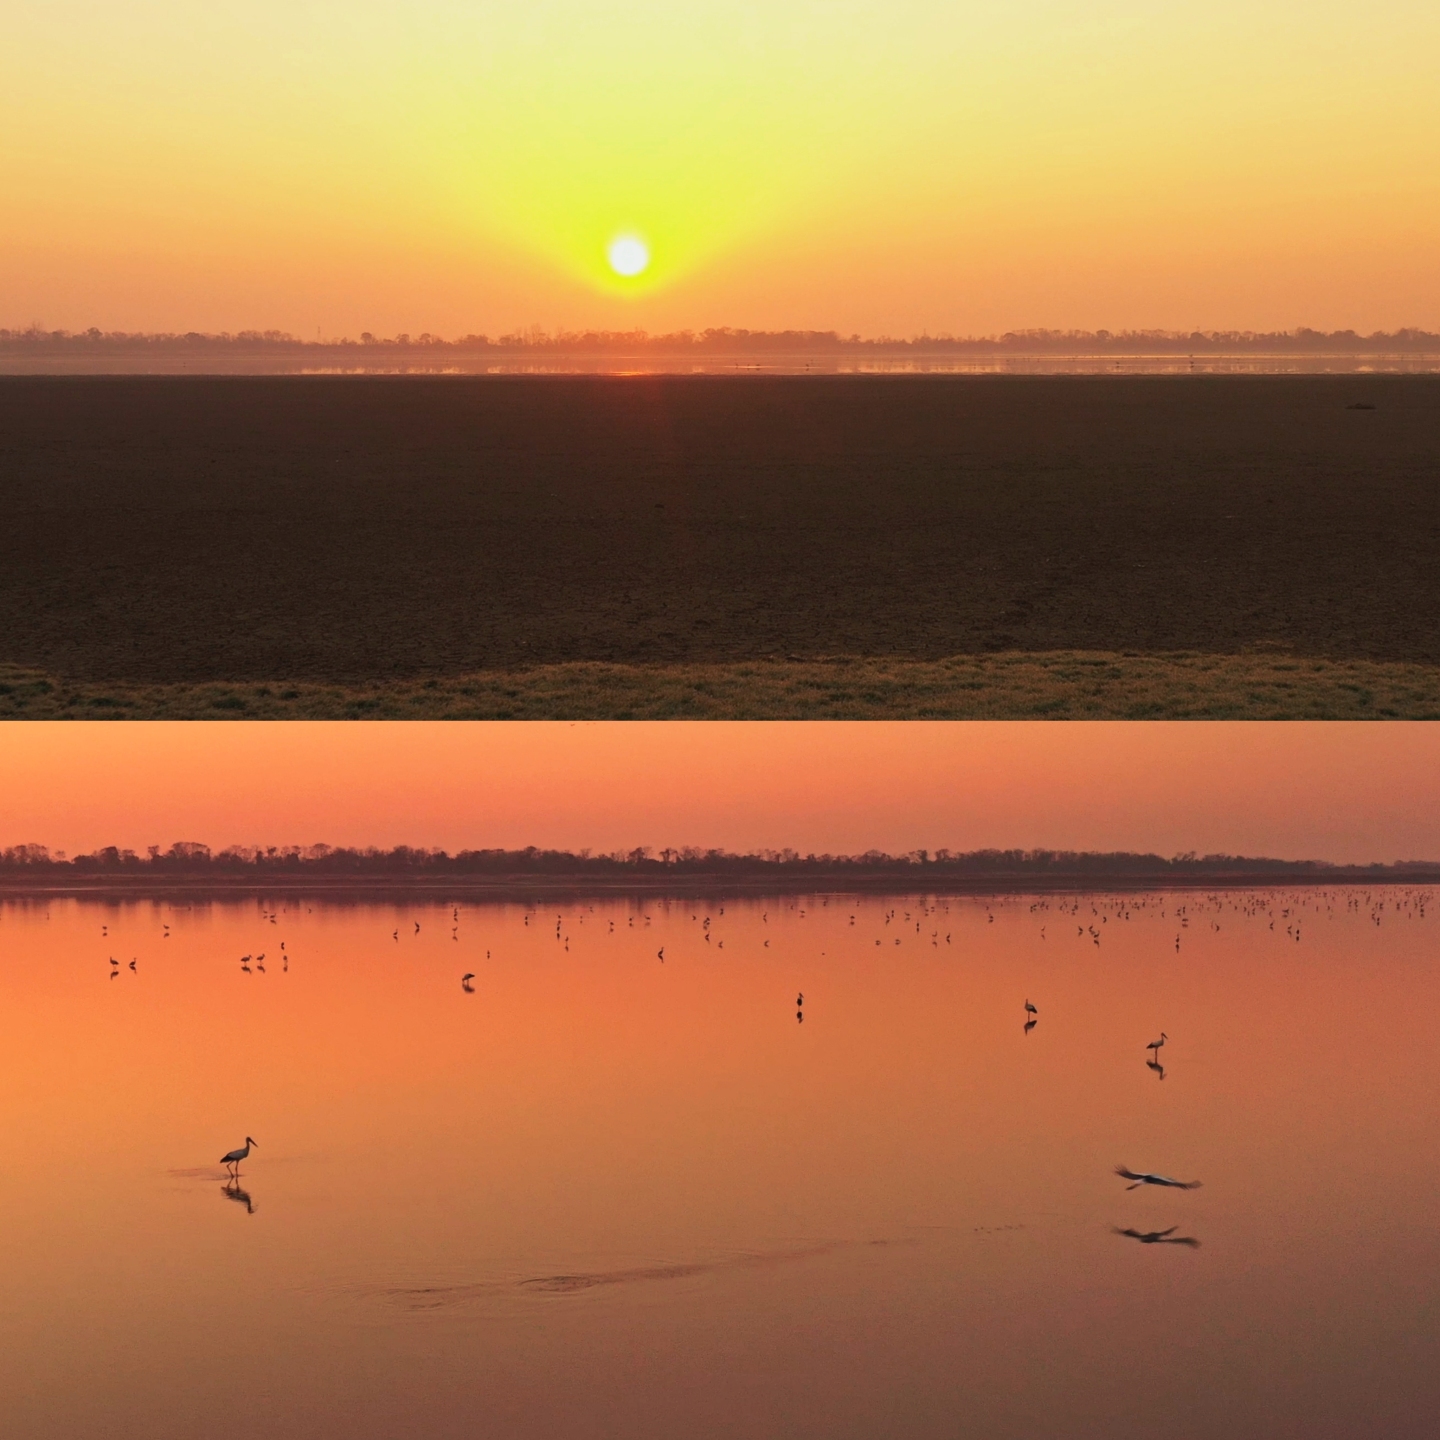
pixel 356 529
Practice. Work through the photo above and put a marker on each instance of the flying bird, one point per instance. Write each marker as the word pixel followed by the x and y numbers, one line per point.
pixel 234 1158
pixel 1140 1180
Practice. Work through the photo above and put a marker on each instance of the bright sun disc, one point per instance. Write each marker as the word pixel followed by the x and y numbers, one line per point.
pixel 628 255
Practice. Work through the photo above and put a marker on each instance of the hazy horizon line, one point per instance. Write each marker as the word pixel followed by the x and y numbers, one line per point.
pixel 732 340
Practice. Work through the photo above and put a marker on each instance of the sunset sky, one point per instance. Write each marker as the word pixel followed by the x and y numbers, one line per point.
pixel 1332 791
pixel 895 167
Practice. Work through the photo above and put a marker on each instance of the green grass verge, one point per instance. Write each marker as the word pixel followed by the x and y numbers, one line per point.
pixel 1060 685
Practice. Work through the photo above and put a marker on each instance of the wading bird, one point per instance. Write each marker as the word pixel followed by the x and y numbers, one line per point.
pixel 1140 1180
pixel 465 980
pixel 1030 1009
pixel 234 1158
pixel 1156 1044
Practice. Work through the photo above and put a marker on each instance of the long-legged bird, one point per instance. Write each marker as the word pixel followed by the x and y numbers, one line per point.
pixel 234 1158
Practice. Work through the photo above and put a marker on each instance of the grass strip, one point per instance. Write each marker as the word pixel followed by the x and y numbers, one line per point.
pixel 1056 685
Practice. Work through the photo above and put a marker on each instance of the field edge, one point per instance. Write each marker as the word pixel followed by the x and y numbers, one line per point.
pixel 1006 685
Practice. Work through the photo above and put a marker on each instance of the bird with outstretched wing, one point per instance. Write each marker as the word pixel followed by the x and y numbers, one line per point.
pixel 1139 1179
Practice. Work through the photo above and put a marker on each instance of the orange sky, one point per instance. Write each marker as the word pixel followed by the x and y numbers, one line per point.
pixel 1343 792
pixel 881 166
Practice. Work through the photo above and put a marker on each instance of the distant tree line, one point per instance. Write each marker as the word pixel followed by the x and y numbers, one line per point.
pixel 188 858
pixel 726 341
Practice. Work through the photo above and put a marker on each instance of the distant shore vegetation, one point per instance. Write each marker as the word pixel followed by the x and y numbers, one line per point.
pixel 192 860
pixel 702 344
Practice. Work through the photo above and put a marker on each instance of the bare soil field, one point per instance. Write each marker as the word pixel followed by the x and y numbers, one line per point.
pixel 373 534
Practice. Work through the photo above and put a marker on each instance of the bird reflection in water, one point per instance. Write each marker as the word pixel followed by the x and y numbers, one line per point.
pixel 1156 1066
pixel 231 1191
pixel 1160 1237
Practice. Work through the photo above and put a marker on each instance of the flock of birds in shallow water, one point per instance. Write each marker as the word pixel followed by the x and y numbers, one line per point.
pixel 1267 905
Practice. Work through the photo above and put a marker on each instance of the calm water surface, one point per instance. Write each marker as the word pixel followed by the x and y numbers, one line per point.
pixel 606 1195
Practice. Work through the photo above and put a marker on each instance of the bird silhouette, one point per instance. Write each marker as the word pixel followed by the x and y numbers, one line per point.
pixel 1160 1237
pixel 1146 1179
pixel 1156 1044
pixel 232 1191
pixel 465 980
pixel 234 1158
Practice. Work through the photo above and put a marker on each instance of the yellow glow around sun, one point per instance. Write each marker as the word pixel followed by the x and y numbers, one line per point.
pixel 629 255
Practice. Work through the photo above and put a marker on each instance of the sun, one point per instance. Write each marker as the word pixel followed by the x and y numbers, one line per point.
pixel 629 255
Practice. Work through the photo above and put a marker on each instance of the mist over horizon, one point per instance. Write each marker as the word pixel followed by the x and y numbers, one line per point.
pixel 729 339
